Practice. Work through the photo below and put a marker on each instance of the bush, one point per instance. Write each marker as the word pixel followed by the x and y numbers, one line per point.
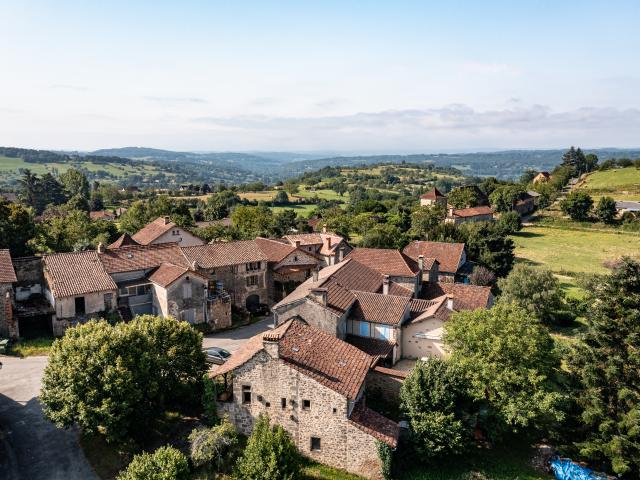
pixel 209 397
pixel 166 463
pixel 482 276
pixel 577 205
pixel 606 210
pixel 509 223
pixel 270 454
pixel 213 446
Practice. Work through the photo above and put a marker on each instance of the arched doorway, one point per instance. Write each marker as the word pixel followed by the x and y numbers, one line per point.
pixel 253 302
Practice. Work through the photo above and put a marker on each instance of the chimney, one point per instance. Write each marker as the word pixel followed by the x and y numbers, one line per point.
pixel 320 295
pixel 450 302
pixel 329 242
pixel 297 243
pixel 315 274
pixel 100 247
pixel 271 346
pixel 421 262
pixel 324 228
pixel 450 210
pixel 341 254
pixel 167 221
pixel 194 265
pixel 385 285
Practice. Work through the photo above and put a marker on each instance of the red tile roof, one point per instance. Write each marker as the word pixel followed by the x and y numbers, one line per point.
pixel 323 357
pixel 223 254
pixel 274 251
pixel 322 239
pixel 432 195
pixel 448 255
pixel 102 215
pixel 376 425
pixel 142 257
pixel 374 347
pixel 385 261
pixel 166 274
pixel 152 231
pixel 399 290
pixel 122 241
pixel 7 273
pixel 77 273
pixel 465 297
pixel 472 212
pixel 379 308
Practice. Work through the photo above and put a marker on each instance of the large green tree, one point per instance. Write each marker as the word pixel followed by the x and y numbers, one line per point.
pixel 509 361
pixel 462 197
pixel 577 205
pixel 17 228
pixel 606 210
pixel 607 363
pixel 425 219
pixel 75 183
pixel 116 380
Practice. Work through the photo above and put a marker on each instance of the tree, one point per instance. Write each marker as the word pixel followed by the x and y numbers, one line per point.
pixel 209 399
pixel 607 365
pixel 252 222
pixel 576 160
pixel 283 222
pixel 606 210
pixel 482 276
pixel 577 205
pixel 75 183
pixel 115 380
pixel 78 202
pixel 166 463
pixel 504 198
pixel 536 290
pixel 508 360
pixel 434 399
pixel 17 228
pixel 270 454
pixel 65 230
pixel 291 186
pixel 425 219
pixel 487 245
pixel 528 176
pixel 281 198
pixel 462 197
pixel 383 236
pixel 213 447
pixel 509 223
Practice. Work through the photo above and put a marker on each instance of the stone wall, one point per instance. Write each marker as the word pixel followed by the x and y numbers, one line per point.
pixel 315 315
pixel 280 391
pixel 234 281
pixel 386 383
pixel 177 302
pixel 8 321
pixel 219 313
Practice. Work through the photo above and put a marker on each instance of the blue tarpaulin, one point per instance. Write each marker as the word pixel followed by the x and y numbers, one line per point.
pixel 565 469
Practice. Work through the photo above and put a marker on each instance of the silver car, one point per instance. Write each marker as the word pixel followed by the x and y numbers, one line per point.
pixel 216 355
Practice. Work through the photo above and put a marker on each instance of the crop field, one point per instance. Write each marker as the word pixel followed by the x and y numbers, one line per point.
pixel 619 183
pixel 324 194
pixel 265 196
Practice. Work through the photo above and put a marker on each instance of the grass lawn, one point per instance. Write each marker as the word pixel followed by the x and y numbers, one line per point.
pixel 30 348
pixel 619 183
pixel 302 210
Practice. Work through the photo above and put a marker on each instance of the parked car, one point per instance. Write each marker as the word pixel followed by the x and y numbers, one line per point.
pixel 216 355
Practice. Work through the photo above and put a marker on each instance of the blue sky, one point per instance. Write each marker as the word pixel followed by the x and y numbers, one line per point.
pixel 345 76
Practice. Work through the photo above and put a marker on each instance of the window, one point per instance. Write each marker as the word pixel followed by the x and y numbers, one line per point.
pixel 80 306
pixel 252 281
pixel 246 394
pixel 383 332
pixel 315 444
pixel 363 330
pixel 306 404
pixel 283 403
pixel 186 290
pixel 175 232
pixel 335 410
pixel 253 266
pixel 267 405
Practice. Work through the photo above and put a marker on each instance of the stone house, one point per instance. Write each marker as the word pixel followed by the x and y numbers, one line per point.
pixel 163 230
pixel 541 177
pixel 312 384
pixel 8 322
pixel 433 197
pixel 458 216
pixel 527 203
pixel 443 261
pixel 329 247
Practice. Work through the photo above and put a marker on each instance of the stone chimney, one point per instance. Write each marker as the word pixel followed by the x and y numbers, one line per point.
pixel 450 302
pixel 297 243
pixel 271 346
pixel 385 285
pixel 329 242
pixel 421 262
pixel 324 228
pixel 341 254
pixel 100 247
pixel 321 296
pixel 167 220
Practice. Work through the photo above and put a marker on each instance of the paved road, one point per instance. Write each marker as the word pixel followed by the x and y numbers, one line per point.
pixel 32 448
pixel 232 339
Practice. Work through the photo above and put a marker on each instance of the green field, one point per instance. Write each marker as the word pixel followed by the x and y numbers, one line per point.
pixel 324 194
pixel 302 210
pixel 619 183
pixel 569 252
pixel 265 196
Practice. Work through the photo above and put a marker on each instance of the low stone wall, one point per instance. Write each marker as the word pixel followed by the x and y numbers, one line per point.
pixel 386 382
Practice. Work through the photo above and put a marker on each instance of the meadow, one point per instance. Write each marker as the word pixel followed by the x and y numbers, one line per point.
pixel 619 183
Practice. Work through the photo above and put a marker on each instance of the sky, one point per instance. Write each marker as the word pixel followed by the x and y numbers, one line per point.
pixel 342 76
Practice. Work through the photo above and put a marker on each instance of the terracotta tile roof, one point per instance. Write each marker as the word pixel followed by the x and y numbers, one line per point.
pixel 305 239
pixel 223 254
pixel 448 255
pixel 392 371
pixel 379 308
pixel 274 251
pixel 142 257
pixel 323 357
pixel 166 274
pixel 7 273
pixel 399 290
pixel 419 306
pixel 432 195
pixel 376 425
pixel 426 309
pixel 374 347
pixel 472 212
pixel 152 231
pixel 385 261
pixel 102 215
pixel 76 273
pixel 122 241
pixel 322 239
pixel 465 297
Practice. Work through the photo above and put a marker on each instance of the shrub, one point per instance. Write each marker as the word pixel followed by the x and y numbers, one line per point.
pixel 166 463
pixel 482 276
pixel 270 454
pixel 577 205
pixel 510 222
pixel 213 446
pixel 386 458
pixel 209 397
pixel 606 210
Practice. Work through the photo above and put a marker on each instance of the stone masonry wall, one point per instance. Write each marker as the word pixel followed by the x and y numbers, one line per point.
pixel 315 315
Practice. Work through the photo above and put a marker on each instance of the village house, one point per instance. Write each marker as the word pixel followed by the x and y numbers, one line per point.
pixel 541 177
pixel 458 216
pixel 312 384
pixel 443 261
pixel 433 197
pixel 163 230
pixel 527 203
pixel 623 207
pixel 102 215
pixel 329 247
pixel 8 323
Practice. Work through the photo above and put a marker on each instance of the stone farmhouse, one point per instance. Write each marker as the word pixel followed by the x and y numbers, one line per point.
pixel 313 384
pixel 443 261
pixel 458 216
pixel 163 230
pixel 433 197
pixel 329 247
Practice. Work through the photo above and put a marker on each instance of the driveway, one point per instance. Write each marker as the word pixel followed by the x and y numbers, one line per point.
pixel 31 447
pixel 232 339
